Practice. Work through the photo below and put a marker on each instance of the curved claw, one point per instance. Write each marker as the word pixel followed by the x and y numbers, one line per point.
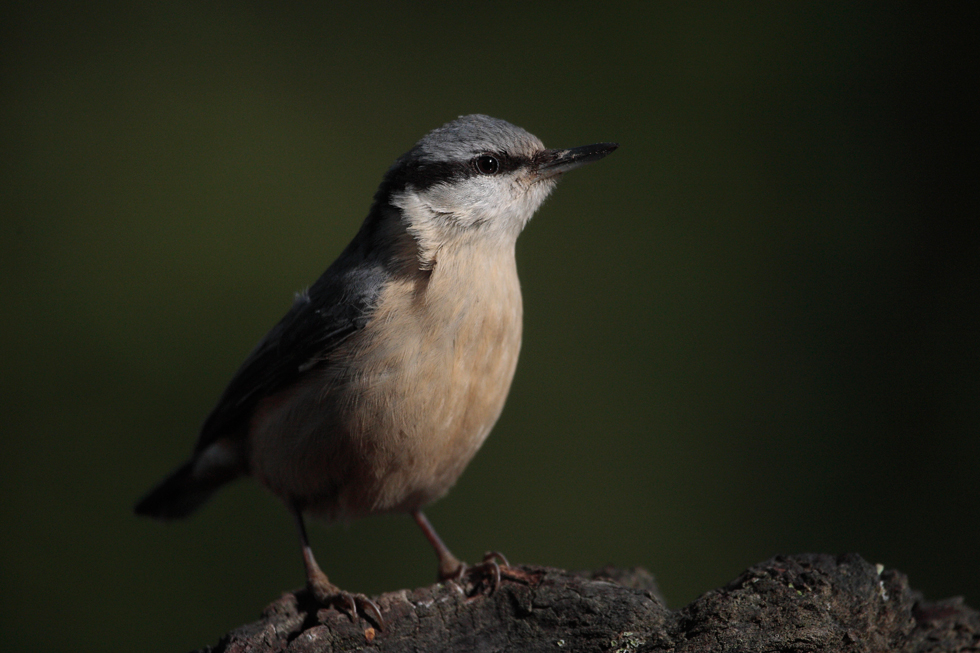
pixel 495 560
pixel 350 604
pixel 496 555
pixel 494 570
pixel 369 608
pixel 487 571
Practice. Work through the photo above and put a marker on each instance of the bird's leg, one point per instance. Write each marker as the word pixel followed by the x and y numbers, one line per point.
pixel 316 580
pixel 326 592
pixel 451 568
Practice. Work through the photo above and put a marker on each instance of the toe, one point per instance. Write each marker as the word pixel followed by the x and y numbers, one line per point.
pixel 370 610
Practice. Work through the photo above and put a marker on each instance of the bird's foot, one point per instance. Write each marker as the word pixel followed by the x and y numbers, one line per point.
pixel 485 575
pixel 350 604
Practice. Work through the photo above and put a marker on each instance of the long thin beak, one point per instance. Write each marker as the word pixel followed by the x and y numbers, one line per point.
pixel 554 162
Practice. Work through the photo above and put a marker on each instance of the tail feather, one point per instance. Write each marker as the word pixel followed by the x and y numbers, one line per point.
pixel 185 490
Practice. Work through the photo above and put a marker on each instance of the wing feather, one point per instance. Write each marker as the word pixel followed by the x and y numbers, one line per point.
pixel 337 306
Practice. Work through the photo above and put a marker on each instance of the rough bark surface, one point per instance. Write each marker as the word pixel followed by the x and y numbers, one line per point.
pixel 788 603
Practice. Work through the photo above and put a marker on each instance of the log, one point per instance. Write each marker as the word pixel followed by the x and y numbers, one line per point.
pixel 810 602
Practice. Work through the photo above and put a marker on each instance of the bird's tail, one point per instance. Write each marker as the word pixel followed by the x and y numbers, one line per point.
pixel 190 485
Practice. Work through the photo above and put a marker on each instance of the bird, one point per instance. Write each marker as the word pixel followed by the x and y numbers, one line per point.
pixel 383 379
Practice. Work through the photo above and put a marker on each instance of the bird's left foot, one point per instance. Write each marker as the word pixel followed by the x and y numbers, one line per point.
pixel 479 577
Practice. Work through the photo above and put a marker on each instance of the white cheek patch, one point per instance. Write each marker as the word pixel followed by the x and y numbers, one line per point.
pixel 469 201
pixel 422 223
pixel 493 208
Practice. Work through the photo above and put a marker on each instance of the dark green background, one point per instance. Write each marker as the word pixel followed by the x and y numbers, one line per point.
pixel 752 330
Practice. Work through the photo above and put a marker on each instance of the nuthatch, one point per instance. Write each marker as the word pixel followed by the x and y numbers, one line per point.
pixel 379 385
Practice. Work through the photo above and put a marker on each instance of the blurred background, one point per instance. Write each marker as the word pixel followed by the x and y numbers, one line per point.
pixel 752 330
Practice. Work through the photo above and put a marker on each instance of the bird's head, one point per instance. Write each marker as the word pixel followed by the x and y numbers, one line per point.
pixel 476 179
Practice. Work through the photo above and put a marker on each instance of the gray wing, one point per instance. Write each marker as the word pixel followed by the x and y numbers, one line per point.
pixel 338 305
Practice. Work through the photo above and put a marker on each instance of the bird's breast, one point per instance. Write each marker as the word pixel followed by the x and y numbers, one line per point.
pixel 393 420
pixel 441 364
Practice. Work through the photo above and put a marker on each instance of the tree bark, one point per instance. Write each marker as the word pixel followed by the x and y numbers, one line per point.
pixel 788 603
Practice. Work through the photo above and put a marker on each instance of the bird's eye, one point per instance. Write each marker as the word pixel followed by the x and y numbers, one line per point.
pixel 486 164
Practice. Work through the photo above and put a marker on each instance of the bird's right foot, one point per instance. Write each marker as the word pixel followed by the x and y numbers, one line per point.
pixel 331 596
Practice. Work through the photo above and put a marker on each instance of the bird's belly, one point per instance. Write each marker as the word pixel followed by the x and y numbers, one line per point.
pixel 397 434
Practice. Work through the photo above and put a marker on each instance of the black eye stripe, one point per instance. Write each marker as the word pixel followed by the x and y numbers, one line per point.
pixel 423 175
pixel 505 162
